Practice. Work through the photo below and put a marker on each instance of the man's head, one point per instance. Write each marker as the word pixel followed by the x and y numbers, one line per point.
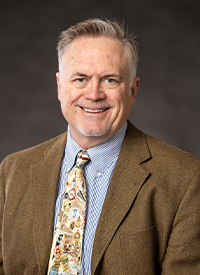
pixel 96 81
pixel 98 27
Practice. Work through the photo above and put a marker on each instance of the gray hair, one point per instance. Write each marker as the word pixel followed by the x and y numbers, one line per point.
pixel 97 27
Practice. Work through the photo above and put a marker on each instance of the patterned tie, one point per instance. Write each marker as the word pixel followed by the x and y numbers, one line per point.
pixel 65 257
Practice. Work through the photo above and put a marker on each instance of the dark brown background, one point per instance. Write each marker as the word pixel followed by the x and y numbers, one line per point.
pixel 168 103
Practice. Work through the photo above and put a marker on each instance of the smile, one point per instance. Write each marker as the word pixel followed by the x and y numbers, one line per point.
pixel 94 111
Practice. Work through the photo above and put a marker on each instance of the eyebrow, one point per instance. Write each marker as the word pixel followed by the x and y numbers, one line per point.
pixel 104 76
pixel 79 74
pixel 112 75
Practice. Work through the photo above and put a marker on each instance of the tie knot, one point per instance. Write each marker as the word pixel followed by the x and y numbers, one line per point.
pixel 82 158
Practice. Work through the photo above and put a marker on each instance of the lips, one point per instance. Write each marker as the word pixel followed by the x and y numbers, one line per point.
pixel 94 111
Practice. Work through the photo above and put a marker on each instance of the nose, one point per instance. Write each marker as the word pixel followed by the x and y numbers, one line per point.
pixel 94 91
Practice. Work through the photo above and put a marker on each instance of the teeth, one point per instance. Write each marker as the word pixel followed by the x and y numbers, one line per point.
pixel 93 111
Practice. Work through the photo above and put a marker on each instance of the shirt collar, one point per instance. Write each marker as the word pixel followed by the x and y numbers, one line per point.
pixel 101 155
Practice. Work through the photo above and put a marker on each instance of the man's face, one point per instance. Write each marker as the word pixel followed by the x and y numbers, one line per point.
pixel 94 89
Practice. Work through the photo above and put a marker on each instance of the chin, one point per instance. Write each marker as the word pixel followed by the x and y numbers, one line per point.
pixel 93 132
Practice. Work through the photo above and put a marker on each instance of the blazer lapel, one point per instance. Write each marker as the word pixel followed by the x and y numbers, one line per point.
pixel 127 179
pixel 44 181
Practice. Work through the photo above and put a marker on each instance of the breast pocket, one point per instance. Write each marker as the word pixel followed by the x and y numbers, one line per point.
pixel 141 252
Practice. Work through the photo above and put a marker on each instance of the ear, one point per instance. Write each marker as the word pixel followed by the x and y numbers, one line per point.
pixel 58 85
pixel 134 89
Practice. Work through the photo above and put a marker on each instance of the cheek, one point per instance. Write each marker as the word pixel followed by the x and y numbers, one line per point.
pixel 64 103
pixel 126 105
pixel 68 103
pixel 66 96
pixel 125 101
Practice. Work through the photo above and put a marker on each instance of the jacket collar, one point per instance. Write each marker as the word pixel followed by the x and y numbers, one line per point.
pixel 127 179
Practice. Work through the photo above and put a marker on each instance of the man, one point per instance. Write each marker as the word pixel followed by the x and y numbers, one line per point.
pixel 143 196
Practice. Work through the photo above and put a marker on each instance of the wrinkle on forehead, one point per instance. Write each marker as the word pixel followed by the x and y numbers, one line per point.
pixel 100 54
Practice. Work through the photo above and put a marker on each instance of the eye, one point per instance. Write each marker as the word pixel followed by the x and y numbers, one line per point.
pixel 80 82
pixel 81 79
pixel 110 80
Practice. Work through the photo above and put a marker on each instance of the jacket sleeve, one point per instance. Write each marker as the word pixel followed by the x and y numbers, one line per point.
pixel 183 251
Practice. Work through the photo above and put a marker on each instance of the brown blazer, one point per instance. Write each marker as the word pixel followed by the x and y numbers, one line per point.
pixel 150 221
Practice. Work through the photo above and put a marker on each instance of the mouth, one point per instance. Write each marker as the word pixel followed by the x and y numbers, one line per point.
pixel 94 111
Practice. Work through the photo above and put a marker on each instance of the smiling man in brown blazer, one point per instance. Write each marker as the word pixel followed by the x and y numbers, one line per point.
pixel 146 219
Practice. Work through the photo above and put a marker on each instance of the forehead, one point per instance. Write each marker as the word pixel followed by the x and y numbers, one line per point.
pixel 96 51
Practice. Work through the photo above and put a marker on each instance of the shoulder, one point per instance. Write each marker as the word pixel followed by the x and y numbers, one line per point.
pixel 170 169
pixel 161 153
pixel 171 163
pixel 33 154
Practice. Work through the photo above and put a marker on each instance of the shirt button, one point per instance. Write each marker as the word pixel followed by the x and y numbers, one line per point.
pixel 99 174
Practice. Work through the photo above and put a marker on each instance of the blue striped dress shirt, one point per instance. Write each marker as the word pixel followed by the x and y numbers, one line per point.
pixel 98 173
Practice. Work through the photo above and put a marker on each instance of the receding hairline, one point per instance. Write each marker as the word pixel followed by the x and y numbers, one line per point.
pixel 88 36
pixel 95 27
